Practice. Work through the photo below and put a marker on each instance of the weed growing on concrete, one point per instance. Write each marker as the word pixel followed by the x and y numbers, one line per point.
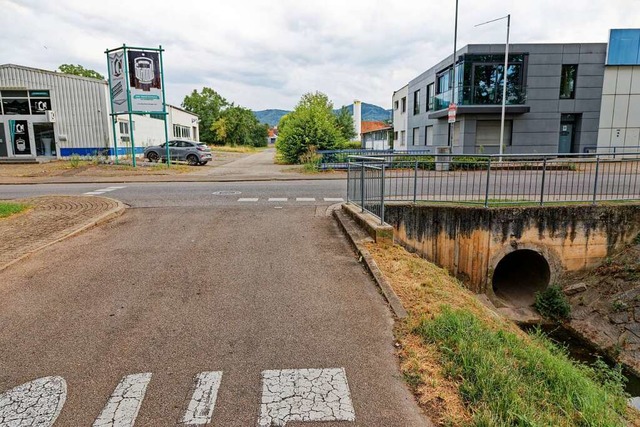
pixel 618 306
pixel 510 381
pixel 552 303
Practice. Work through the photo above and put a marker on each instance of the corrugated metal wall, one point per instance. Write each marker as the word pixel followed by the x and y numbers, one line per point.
pixel 80 104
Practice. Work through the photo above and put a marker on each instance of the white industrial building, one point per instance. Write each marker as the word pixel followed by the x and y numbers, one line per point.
pixel 54 115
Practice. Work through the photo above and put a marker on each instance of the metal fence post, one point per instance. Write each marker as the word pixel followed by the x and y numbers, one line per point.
pixel 348 179
pixel 486 191
pixel 595 181
pixel 362 187
pixel 382 197
pixel 415 184
pixel 544 175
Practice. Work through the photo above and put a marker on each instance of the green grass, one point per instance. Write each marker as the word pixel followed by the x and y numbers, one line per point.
pixel 507 380
pixel 8 208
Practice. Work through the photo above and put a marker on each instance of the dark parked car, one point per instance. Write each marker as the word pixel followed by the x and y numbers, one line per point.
pixel 196 153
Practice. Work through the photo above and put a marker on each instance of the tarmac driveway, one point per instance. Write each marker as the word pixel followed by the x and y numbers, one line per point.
pixel 249 315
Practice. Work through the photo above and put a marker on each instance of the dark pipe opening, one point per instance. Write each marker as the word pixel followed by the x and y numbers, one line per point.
pixel 519 275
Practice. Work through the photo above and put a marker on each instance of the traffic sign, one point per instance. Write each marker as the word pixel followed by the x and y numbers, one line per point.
pixel 452 110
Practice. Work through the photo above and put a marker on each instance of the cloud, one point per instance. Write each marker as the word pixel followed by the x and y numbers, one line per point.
pixel 267 54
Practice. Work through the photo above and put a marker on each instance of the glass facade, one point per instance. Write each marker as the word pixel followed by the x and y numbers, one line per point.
pixel 480 80
pixel 568 81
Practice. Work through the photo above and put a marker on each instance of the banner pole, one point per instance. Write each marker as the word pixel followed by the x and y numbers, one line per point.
pixel 164 109
pixel 112 117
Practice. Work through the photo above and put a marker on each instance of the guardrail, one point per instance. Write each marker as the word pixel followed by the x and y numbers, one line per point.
pixel 491 180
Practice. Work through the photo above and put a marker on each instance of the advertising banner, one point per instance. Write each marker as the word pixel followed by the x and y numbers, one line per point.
pixel 145 81
pixel 118 82
pixel 20 137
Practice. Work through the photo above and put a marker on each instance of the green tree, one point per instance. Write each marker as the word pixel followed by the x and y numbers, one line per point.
pixel 79 70
pixel 311 124
pixel 344 122
pixel 239 126
pixel 208 105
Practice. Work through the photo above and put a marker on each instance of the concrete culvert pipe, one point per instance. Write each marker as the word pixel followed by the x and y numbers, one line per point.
pixel 519 275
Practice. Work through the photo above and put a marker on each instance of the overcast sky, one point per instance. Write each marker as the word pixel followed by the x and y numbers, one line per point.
pixel 266 54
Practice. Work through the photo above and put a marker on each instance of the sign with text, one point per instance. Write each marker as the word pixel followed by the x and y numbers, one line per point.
pixel 20 137
pixel 452 110
pixel 118 82
pixel 145 81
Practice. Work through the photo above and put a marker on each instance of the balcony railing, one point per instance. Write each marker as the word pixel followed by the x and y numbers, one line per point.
pixel 482 95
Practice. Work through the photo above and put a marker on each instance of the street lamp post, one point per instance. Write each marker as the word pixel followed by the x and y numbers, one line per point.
pixel 453 77
pixel 504 79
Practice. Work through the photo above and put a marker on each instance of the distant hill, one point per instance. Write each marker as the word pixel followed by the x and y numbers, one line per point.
pixel 370 112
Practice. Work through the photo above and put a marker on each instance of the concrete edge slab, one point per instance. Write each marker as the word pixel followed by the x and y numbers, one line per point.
pixel 94 222
pixel 367 259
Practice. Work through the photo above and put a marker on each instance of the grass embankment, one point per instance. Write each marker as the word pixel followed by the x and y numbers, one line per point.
pixel 8 208
pixel 469 366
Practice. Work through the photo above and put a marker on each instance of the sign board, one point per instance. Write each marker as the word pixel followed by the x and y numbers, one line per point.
pixel 20 137
pixel 145 81
pixel 452 110
pixel 118 82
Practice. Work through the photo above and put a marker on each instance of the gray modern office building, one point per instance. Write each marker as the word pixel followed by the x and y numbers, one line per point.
pixel 554 95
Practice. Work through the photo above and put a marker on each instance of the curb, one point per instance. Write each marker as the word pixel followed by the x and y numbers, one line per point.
pixel 129 181
pixel 365 257
pixel 101 219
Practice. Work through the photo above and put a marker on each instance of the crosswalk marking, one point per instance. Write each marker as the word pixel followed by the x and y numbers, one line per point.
pixel 305 199
pixel 278 199
pixel 305 395
pixel 333 199
pixel 203 400
pixel 122 408
pixel 36 403
pixel 248 199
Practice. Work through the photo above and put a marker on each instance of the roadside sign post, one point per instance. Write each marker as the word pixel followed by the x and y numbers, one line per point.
pixel 451 112
pixel 136 86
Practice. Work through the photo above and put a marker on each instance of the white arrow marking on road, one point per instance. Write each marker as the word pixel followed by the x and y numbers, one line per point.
pixel 36 403
pixel 123 405
pixel 304 395
pixel 203 400
pixel 94 193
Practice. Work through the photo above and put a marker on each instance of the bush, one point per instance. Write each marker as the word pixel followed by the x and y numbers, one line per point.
pixel 74 161
pixel 469 163
pixel 351 145
pixel 552 303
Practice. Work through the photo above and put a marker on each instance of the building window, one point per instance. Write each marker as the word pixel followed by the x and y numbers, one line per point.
pixel 404 104
pixel 428 135
pixel 430 97
pixel 124 128
pixel 403 137
pixel 181 131
pixel 416 136
pixel 395 105
pixel 568 77
pixel 416 102
pixel 395 135
pixel 488 134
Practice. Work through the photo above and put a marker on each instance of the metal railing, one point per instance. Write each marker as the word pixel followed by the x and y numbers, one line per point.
pixel 491 180
pixel 339 159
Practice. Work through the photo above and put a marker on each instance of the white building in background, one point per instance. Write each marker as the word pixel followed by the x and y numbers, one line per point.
pixel 50 114
pixel 400 118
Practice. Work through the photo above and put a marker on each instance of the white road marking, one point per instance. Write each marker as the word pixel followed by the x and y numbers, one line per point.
pixel 333 199
pixel 94 193
pixel 304 395
pixel 278 199
pixel 117 188
pixel 203 400
pixel 36 403
pixel 106 190
pixel 305 199
pixel 248 199
pixel 122 408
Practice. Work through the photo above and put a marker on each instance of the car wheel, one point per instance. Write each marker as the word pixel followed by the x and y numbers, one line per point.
pixel 153 156
pixel 204 163
pixel 193 159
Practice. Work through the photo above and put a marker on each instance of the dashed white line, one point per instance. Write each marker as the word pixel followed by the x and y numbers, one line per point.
pixel 333 199
pixel 203 400
pixel 248 199
pixel 122 408
pixel 278 199
pixel 36 403
pixel 305 395
pixel 305 199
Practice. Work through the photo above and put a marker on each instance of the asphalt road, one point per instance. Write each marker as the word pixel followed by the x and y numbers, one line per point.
pixel 188 282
